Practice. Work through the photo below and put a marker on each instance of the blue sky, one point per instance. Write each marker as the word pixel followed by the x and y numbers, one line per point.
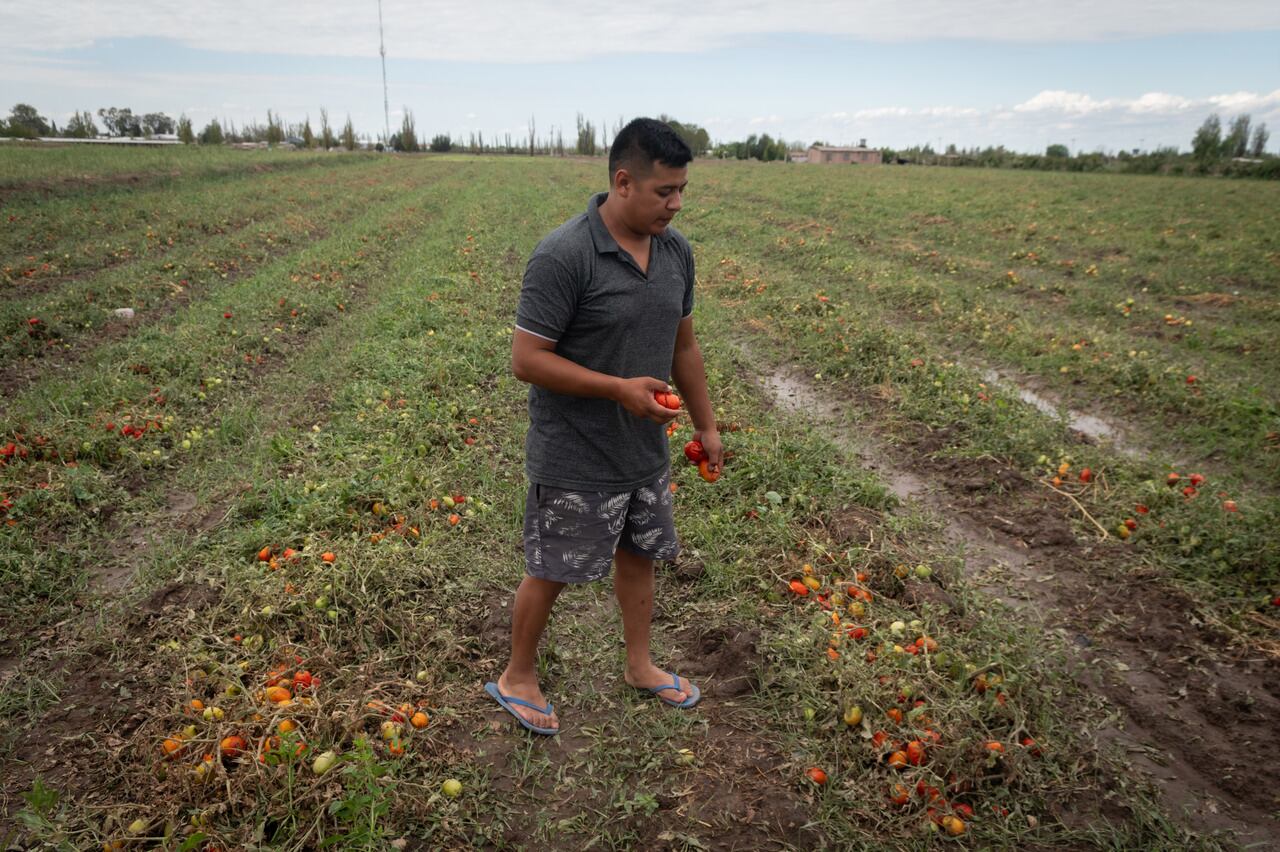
pixel 976 73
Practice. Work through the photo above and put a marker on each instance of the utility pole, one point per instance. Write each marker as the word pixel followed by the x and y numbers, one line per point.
pixel 382 49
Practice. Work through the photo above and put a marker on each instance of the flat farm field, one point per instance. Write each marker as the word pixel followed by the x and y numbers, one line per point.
pixel 994 562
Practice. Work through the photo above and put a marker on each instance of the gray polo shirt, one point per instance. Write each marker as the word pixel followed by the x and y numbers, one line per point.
pixel 586 293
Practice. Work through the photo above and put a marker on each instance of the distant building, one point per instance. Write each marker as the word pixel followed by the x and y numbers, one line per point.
pixel 832 154
pixel 798 156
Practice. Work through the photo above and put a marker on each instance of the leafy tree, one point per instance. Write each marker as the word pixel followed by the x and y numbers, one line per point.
pixel 81 126
pixel 326 131
pixel 441 142
pixel 275 129
pixel 308 137
pixel 212 133
pixel 154 123
pixel 1057 151
pixel 1236 142
pixel 1206 145
pixel 25 121
pixel 407 138
pixel 348 135
pixel 120 122
pixel 586 141
pixel 697 138
pixel 185 132
pixel 1260 137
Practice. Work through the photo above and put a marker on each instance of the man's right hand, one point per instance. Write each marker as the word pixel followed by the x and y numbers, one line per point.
pixel 636 396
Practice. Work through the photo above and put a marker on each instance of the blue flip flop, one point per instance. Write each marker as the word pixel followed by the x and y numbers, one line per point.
pixel 507 700
pixel 694 696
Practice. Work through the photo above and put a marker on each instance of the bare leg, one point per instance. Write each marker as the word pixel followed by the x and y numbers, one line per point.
pixel 633 584
pixel 534 600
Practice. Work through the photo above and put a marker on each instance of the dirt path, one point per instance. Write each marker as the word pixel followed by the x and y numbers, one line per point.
pixel 1197 714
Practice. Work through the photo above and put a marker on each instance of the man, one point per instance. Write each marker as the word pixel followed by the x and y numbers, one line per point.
pixel 605 316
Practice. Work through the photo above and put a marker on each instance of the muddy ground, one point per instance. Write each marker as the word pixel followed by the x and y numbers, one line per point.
pixel 1198 710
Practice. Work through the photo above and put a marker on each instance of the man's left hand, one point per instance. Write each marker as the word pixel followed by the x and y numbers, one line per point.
pixel 710 440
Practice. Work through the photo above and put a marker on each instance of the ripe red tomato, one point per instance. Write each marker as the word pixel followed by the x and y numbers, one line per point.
pixel 816 775
pixel 705 471
pixel 667 400
pixel 695 452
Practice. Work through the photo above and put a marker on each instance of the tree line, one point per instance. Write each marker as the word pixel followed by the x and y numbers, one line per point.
pixel 1240 151
pixel 588 138
pixel 1237 148
pixel 25 122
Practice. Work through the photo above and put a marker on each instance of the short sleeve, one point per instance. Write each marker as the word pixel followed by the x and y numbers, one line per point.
pixel 687 309
pixel 548 297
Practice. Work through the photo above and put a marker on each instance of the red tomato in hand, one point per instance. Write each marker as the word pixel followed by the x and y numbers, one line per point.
pixel 695 452
pixel 667 400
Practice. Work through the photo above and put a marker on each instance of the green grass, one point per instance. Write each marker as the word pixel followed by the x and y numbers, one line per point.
pixel 334 430
pixel 23 164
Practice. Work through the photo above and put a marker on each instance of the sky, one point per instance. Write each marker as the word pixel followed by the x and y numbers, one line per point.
pixel 1090 74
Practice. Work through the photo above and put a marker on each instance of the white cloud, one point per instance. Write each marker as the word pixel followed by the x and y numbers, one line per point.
pixel 1073 103
pixel 1160 102
pixel 565 30
pixel 1154 118
pixel 881 112
pixel 1245 101
pixel 1061 103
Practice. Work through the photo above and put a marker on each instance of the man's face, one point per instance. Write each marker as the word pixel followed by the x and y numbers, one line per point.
pixel 652 200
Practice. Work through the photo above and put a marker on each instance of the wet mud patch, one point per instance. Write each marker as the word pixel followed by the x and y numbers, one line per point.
pixel 179 596
pixel 1206 705
pixel 488 633
pixel 734 791
pixel 852 525
pixel 76 743
pixel 1000 499
pixel 684 569
pixel 724 661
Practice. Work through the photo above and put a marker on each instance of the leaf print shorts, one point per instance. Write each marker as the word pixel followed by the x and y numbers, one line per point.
pixel 570 536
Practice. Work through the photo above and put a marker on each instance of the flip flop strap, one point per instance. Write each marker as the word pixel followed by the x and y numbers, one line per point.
pixel 513 700
pixel 674 685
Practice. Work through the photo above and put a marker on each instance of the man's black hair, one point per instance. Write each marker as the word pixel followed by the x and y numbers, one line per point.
pixel 643 141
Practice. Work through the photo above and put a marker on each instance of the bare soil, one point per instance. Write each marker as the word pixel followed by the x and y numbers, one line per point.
pixel 732 789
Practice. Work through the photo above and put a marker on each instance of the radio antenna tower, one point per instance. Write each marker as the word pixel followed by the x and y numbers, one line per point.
pixel 382 49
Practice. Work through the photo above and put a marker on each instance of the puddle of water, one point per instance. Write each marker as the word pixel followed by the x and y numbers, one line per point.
pixel 794 394
pixel 1088 424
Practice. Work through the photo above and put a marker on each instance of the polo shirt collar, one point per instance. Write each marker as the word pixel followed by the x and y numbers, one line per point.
pixel 600 235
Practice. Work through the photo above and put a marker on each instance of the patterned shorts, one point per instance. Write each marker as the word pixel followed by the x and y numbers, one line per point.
pixel 570 536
